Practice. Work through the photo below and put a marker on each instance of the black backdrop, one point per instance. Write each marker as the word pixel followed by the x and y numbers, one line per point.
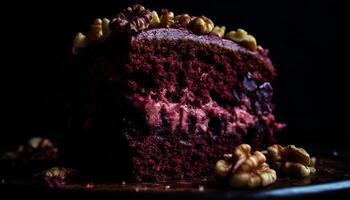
pixel 307 43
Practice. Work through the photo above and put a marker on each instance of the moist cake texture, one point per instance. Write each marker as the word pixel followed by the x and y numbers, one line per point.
pixel 155 98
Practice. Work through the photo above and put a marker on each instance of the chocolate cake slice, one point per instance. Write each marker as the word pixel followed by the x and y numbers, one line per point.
pixel 165 96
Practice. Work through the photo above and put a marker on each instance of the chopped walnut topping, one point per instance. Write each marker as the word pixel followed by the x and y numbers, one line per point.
pixel 243 38
pixel 219 31
pixel 105 27
pixel 136 18
pixel 95 32
pixel 166 18
pixel 98 30
pixel 57 176
pixel 132 19
pixel 36 150
pixel 155 19
pixel 291 161
pixel 201 25
pixel 183 19
pixel 245 170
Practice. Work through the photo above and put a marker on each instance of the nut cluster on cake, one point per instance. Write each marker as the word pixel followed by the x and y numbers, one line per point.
pixel 241 169
pixel 291 160
pixel 137 18
pixel 245 170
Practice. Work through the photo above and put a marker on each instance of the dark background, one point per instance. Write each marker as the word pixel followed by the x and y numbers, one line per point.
pixel 307 42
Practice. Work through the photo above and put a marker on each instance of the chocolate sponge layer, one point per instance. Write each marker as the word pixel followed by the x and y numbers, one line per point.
pixel 170 103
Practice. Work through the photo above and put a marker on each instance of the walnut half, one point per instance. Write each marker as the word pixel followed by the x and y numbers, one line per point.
pixel 132 19
pixel 201 25
pixel 245 170
pixel 219 31
pixel 98 31
pixel 243 38
pixel 291 160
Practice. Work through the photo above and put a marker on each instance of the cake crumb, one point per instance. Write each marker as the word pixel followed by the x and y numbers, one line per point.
pixel 201 188
pixel 90 185
pixel 335 153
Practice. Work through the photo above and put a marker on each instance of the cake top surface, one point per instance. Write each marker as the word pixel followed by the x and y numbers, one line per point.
pixel 136 18
pixel 142 24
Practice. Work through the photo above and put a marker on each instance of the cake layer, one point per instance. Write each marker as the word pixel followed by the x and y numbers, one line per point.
pixel 181 100
pixel 180 34
pixel 166 102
